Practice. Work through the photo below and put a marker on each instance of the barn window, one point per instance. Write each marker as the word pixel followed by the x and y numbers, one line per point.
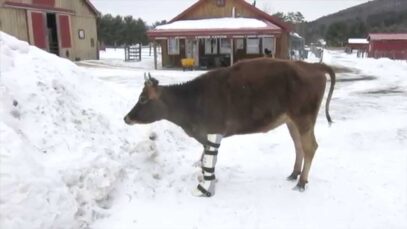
pixel 173 46
pixel 252 45
pixel 211 46
pixel 81 34
pixel 225 46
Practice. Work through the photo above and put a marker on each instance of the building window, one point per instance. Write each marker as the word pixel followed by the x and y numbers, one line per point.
pixel 225 46
pixel 173 46
pixel 252 45
pixel 81 34
pixel 92 42
pixel 268 46
pixel 239 44
pixel 211 46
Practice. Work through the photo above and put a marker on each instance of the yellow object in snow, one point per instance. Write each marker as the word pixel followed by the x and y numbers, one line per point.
pixel 187 63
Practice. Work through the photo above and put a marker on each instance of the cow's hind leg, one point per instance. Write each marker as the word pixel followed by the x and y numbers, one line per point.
pixel 207 186
pixel 299 154
pixel 309 145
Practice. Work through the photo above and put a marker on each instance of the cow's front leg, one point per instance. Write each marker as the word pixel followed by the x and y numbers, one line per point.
pixel 207 186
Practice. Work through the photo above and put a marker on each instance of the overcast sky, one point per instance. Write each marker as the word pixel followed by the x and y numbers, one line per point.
pixel 157 10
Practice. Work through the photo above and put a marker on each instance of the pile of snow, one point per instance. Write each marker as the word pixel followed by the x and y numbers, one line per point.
pixel 59 147
pixel 68 160
pixel 63 144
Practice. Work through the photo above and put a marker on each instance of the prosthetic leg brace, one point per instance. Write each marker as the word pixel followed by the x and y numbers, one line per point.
pixel 207 186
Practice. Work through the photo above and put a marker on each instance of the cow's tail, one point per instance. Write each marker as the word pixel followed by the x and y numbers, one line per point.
pixel 331 73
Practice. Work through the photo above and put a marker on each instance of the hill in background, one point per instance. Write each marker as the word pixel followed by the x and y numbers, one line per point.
pixel 357 21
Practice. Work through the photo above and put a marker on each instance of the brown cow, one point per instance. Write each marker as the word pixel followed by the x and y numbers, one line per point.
pixel 249 97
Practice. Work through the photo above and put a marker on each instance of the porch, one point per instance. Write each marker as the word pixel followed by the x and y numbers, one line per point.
pixel 212 43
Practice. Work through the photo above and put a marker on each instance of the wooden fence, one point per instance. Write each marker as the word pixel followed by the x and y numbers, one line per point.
pixel 132 52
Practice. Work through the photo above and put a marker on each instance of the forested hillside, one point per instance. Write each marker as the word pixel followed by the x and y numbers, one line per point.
pixel 358 21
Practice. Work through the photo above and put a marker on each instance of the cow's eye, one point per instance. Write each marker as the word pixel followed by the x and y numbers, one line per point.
pixel 143 99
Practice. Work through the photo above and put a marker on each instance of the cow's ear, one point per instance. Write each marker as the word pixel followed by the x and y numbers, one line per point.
pixel 150 81
pixel 154 81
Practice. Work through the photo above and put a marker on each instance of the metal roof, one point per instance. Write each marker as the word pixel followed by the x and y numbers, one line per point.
pixel 387 36
pixel 358 41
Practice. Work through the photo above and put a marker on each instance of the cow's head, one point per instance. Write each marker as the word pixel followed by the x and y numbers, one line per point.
pixel 149 107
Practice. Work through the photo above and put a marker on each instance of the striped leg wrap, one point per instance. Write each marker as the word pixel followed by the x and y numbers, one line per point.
pixel 207 186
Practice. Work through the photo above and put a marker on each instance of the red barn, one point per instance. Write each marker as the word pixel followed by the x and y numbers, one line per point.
pixel 391 45
pixel 66 28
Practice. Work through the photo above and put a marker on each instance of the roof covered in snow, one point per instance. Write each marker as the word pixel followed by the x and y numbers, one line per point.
pixel 358 41
pixel 388 36
pixel 215 23
pixel 226 26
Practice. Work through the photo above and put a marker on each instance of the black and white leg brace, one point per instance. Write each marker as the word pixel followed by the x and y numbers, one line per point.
pixel 207 186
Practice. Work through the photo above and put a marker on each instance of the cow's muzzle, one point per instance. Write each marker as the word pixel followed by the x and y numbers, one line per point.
pixel 128 121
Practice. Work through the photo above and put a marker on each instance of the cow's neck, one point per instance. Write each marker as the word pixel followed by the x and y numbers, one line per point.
pixel 182 108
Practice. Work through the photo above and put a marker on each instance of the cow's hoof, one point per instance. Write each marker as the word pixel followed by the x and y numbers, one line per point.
pixel 293 176
pixel 300 186
pixel 196 192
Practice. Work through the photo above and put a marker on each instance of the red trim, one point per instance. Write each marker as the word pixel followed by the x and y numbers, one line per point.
pixel 253 9
pixel 65 31
pixel 44 2
pixel 38 25
pixel 43 6
pixel 37 7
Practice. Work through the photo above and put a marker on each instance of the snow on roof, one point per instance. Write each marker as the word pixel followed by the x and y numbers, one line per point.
pixel 358 41
pixel 215 23
pixel 388 36
pixel 295 35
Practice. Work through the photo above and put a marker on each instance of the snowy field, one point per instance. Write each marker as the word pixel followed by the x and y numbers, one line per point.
pixel 67 160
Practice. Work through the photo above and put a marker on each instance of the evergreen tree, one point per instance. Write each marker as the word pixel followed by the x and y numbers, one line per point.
pixel 337 34
pixel 119 31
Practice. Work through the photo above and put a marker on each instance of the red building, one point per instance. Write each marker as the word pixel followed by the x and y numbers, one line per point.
pixel 391 45
pixel 359 44
pixel 66 28
pixel 219 33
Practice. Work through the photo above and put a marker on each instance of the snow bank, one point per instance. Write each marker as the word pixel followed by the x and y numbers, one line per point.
pixel 68 161
pixel 358 177
pixel 64 146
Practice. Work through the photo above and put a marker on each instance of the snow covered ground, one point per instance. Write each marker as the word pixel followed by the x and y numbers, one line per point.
pixel 68 161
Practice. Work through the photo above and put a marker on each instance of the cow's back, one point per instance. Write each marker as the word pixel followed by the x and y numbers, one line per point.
pixel 256 95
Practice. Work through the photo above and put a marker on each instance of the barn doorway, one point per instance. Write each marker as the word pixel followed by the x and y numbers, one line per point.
pixel 52 33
